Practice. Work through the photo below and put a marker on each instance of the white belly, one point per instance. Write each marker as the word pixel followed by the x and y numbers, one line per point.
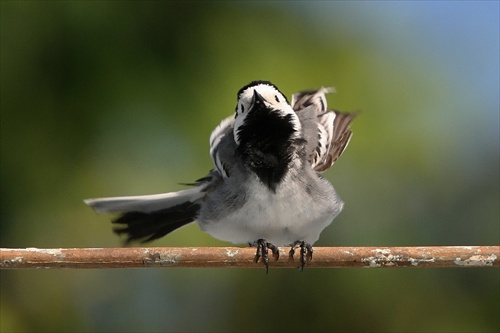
pixel 281 218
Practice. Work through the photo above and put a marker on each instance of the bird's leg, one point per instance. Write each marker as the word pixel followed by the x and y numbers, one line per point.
pixel 262 251
pixel 306 252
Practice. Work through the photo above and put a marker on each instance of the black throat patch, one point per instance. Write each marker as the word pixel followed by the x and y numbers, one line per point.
pixel 267 144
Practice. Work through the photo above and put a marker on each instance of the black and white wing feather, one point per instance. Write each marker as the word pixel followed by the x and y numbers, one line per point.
pixel 216 149
pixel 332 130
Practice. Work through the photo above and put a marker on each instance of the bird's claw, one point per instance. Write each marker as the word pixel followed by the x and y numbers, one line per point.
pixel 306 252
pixel 262 251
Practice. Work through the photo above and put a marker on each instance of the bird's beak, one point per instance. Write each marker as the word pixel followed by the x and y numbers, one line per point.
pixel 257 98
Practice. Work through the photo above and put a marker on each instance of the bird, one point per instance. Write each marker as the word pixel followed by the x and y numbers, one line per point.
pixel 266 189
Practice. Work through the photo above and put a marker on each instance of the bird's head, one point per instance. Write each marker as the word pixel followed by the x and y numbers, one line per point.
pixel 267 131
pixel 261 105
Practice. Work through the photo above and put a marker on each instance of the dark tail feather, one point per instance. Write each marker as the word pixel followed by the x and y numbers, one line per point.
pixel 150 226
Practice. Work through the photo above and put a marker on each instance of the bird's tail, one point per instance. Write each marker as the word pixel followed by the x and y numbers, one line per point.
pixel 149 217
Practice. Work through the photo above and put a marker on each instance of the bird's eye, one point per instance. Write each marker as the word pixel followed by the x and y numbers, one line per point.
pixel 276 98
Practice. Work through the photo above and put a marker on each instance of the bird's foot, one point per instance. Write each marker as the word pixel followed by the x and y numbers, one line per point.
pixel 306 252
pixel 262 251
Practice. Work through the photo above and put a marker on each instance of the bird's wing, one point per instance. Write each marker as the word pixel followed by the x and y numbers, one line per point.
pixel 222 134
pixel 328 134
pixel 338 134
pixel 303 99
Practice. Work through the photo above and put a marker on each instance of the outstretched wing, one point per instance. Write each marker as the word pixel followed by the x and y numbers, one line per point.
pixel 337 126
pixel 329 134
pixel 303 99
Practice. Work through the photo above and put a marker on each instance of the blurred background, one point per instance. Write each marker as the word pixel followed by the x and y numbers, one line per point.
pixel 119 98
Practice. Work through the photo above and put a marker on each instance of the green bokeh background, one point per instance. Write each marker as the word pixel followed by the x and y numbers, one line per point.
pixel 119 98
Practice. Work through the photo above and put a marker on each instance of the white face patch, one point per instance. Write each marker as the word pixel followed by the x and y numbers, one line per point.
pixel 273 99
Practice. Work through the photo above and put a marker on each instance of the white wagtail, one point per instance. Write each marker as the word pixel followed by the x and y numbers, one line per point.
pixel 266 188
